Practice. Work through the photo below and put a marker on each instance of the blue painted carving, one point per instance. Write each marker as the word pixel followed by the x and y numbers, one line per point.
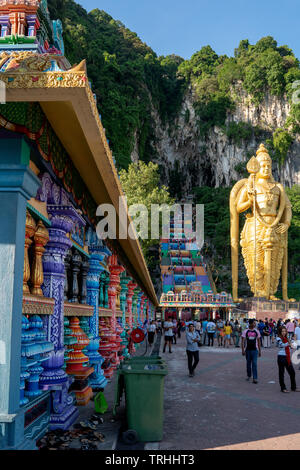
pixel 63 217
pixel 35 351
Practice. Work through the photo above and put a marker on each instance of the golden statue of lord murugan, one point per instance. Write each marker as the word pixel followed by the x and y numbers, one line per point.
pixel 264 235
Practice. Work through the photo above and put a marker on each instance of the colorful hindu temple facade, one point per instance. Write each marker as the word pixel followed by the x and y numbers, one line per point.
pixel 187 288
pixel 69 299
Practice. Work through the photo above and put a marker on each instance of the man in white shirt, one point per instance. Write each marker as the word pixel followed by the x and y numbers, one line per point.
pixel 151 333
pixel 168 327
pixel 297 336
pixel 211 329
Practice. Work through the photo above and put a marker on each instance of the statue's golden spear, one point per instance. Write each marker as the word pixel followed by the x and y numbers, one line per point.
pixel 253 168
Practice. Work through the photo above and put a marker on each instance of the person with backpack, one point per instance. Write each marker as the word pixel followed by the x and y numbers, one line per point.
pixel 251 348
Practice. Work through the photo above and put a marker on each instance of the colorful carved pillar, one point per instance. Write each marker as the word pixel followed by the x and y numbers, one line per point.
pixel 85 266
pixel 41 238
pixel 76 262
pixel 33 24
pixel 5 25
pixel 97 379
pixel 69 340
pixel 131 286
pixel 39 347
pixel 13 19
pixel 143 308
pixel 30 228
pixel 135 300
pixel 101 289
pixel 115 270
pixel 68 258
pixel 105 290
pixel 139 305
pixel 124 280
pixel 63 218
pixel 17 185
pixel 77 364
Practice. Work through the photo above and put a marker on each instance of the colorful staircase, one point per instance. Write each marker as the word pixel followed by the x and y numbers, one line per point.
pixel 181 262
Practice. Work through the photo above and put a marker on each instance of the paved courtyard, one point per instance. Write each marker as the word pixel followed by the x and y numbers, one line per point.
pixel 218 408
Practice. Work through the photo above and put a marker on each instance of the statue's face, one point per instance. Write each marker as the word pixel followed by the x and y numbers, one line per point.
pixel 265 169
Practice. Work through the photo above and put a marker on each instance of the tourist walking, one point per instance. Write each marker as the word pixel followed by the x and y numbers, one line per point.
pixel 227 333
pixel 211 329
pixel 198 328
pixel 283 342
pixel 231 323
pixel 174 332
pixel 266 333
pixel 151 329
pixel 179 328
pixel 219 331
pixel 237 331
pixel 251 349
pixel 290 326
pixel 272 329
pixel 244 324
pixel 260 328
pixel 204 325
pixel 168 329
pixel 192 348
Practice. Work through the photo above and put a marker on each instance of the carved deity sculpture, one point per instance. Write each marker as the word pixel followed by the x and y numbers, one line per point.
pixel 264 235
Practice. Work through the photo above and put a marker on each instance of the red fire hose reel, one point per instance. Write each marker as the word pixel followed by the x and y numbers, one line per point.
pixel 137 335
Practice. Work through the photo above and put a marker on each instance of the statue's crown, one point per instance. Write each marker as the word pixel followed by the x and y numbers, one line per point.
pixel 262 154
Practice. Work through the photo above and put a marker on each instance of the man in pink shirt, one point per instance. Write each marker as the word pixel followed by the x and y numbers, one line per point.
pixel 251 349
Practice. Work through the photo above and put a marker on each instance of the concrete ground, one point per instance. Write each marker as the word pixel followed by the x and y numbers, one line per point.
pixel 216 409
pixel 219 409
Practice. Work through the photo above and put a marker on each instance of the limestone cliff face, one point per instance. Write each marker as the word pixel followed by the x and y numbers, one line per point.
pixel 212 160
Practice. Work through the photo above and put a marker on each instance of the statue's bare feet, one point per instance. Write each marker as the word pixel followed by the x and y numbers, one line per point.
pixel 272 297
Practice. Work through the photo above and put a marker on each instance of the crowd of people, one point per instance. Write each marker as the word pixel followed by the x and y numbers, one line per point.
pixel 249 335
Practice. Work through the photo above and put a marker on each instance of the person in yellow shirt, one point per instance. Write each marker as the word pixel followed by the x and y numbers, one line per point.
pixel 227 332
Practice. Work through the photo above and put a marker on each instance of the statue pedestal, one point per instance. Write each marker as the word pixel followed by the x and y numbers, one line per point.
pixel 261 308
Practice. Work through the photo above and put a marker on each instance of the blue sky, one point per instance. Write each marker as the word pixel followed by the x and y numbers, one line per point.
pixel 184 26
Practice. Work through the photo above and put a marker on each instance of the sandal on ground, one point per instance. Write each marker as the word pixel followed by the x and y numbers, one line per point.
pixel 285 391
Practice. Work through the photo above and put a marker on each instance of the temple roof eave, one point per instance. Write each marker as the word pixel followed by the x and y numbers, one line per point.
pixel 68 103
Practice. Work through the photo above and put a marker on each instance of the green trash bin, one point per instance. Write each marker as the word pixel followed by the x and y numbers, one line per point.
pixel 143 360
pixel 144 391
